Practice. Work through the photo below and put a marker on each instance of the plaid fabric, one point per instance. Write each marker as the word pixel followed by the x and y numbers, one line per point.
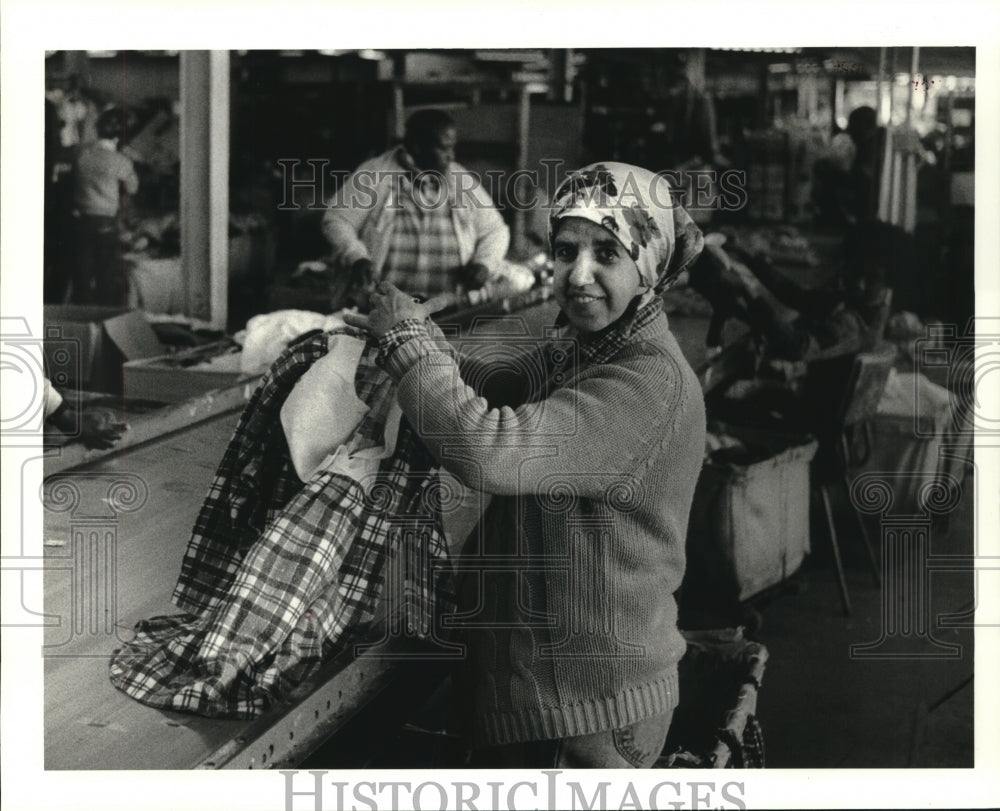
pixel 279 575
pixel 398 335
pixel 605 345
pixel 423 255
pixel 593 348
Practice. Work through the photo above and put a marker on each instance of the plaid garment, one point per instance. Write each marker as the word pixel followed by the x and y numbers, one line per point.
pixel 396 336
pixel 280 575
pixel 602 346
pixel 423 256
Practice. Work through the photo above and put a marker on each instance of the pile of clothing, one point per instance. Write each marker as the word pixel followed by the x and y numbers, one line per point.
pixel 281 574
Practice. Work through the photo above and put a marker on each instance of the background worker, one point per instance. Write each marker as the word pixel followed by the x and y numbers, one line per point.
pixel 101 173
pixel 414 218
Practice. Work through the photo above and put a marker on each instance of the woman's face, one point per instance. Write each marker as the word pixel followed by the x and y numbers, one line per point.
pixel 595 279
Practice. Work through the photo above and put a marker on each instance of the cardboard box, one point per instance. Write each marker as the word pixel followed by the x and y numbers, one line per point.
pixel 183 375
pixel 85 346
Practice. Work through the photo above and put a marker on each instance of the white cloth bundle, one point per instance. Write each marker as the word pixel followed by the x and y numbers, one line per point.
pixel 322 412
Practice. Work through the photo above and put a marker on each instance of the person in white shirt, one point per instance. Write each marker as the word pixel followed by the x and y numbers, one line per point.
pixel 101 173
pixel 415 218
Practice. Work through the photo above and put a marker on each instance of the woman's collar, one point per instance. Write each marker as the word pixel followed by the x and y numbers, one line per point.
pixel 595 345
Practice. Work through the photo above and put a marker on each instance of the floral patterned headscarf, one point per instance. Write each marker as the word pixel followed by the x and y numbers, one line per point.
pixel 635 205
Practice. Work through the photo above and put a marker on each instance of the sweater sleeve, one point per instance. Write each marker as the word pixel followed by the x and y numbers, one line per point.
pixel 355 201
pixel 128 177
pixel 492 235
pixel 589 434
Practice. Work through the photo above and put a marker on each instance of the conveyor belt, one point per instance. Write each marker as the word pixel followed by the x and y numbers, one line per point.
pixel 146 425
pixel 114 537
pixel 106 569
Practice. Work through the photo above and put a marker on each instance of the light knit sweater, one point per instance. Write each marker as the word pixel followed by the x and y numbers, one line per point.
pixel 570 582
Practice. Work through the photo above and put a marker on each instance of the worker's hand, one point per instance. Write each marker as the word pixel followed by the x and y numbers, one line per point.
pixel 360 284
pixel 100 429
pixel 389 306
pixel 359 297
pixel 362 272
pixel 474 275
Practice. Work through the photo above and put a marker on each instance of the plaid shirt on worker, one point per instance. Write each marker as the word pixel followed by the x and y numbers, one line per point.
pixel 360 221
pixel 423 253
pixel 280 575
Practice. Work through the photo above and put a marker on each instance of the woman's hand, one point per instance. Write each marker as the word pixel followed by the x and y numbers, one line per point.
pixel 389 306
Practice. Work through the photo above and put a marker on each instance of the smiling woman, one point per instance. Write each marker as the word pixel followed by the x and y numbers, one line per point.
pixel 573 647
pixel 635 233
pixel 595 279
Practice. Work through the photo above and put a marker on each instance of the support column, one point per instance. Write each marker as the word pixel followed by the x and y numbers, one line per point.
pixel 204 214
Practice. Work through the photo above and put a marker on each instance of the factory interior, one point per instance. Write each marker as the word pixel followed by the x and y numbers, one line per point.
pixel 830 593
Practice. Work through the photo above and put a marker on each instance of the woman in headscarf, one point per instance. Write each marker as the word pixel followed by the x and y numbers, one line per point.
pixel 569 618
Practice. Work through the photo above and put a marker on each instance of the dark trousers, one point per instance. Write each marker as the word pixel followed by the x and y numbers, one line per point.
pixel 99 270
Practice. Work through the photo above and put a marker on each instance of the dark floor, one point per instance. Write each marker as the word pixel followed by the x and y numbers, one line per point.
pixel 819 706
